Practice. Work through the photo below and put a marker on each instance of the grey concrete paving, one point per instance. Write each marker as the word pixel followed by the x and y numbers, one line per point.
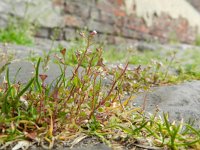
pixel 180 101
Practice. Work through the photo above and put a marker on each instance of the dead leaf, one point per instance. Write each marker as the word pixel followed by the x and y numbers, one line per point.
pixel 78 139
pixel 31 135
pixel 22 145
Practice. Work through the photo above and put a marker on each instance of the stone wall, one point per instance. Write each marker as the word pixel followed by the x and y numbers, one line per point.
pixel 110 18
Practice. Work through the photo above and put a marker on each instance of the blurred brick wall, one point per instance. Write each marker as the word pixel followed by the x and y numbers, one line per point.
pixel 109 18
pixel 111 21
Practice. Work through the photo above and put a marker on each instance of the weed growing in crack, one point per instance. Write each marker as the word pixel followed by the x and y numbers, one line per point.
pixel 72 108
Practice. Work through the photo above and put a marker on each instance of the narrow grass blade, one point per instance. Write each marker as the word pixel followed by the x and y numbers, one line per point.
pixel 167 123
pixel 5 106
pixel 37 75
pixel 25 88
pixel 139 128
pixel 8 77
pixel 152 133
pixel 194 130
pixel 16 74
pixel 4 67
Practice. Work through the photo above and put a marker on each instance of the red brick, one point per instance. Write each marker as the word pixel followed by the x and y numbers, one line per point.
pixel 77 9
pixel 120 2
pixel 58 2
pixel 73 21
pixel 105 6
pixel 119 13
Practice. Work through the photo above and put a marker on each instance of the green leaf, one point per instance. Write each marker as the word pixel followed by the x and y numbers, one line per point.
pixel 14 80
pixel 4 67
pixel 8 77
pixel 76 81
pixel 6 106
pixel 37 75
pixel 25 88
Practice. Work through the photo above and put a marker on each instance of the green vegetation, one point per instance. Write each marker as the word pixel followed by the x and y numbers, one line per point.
pixel 197 41
pixel 183 65
pixel 133 56
pixel 71 108
pixel 18 31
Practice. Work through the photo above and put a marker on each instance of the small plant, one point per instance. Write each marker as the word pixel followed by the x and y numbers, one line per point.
pixel 83 104
pixel 17 31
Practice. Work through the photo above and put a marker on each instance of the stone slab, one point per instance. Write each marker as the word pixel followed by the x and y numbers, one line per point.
pixel 180 101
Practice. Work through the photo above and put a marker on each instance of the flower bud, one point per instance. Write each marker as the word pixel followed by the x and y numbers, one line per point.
pixel 93 33
pixel 63 51
pixel 43 77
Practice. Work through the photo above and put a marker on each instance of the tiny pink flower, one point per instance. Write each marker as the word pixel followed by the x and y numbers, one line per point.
pixel 93 33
